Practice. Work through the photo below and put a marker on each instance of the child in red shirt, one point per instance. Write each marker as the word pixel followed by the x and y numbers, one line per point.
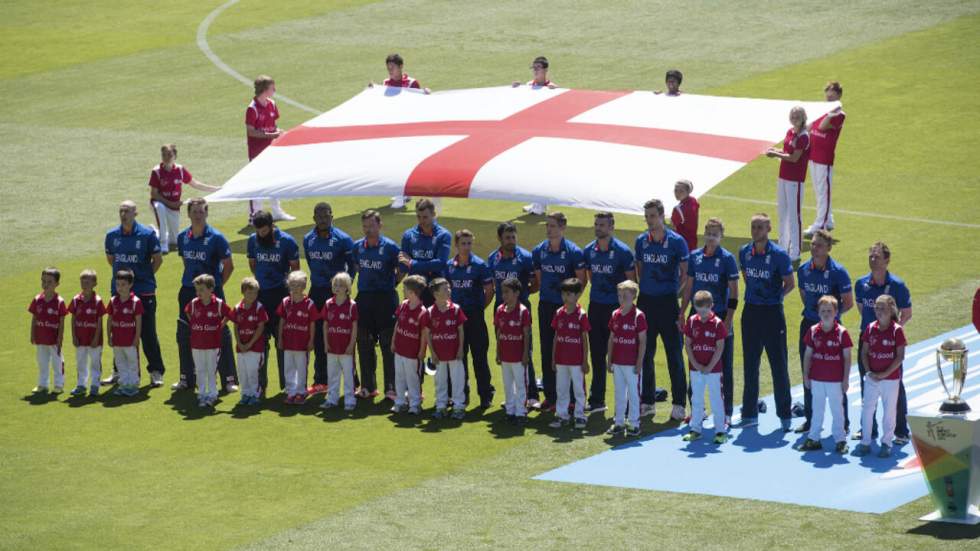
pixel 411 328
pixel 87 311
pixel 297 315
pixel 826 370
pixel 445 334
pixel 250 318
pixel 512 325
pixel 571 354
pixel 339 317
pixel 47 331
pixel 206 315
pixel 624 357
pixel 704 340
pixel 684 217
pixel 125 320
pixel 883 353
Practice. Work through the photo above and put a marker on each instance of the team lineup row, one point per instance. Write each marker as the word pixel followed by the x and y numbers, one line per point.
pixel 668 279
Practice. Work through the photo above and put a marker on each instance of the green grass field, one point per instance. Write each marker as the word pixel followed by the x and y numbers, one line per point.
pixel 93 88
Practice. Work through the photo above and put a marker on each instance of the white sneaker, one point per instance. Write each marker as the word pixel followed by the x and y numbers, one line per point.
pixel 400 202
pixel 156 379
pixel 231 388
pixel 648 409
pixel 534 208
pixel 678 413
pixel 281 215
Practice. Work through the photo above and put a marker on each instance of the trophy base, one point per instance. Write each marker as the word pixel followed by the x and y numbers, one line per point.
pixel 972 517
pixel 959 406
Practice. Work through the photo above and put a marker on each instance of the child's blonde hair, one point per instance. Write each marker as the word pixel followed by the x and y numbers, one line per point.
pixel 414 283
pixel 206 280
pixel 296 277
pixel 250 284
pixel 687 184
pixel 892 305
pixel 89 273
pixel 629 286
pixel 827 299
pixel 703 299
pixel 343 279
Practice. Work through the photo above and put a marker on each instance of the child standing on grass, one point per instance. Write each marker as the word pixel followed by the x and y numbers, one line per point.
pixel 883 353
pixel 250 318
pixel 87 310
pixel 125 321
pixel 826 370
pixel 570 351
pixel 627 340
pixel 297 314
pixel 206 315
pixel 339 317
pixel 411 328
pixel 512 324
pixel 704 340
pixel 47 332
pixel 684 217
pixel 446 321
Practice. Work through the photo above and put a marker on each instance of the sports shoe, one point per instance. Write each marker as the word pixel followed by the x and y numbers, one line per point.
pixel 399 202
pixel 558 423
pixel 900 440
pixel 179 385
pixel 862 450
pixel 93 391
pixel 231 388
pixel 692 436
pixel 57 390
pixel 520 420
pixel 534 208
pixel 414 410
pixel 786 424
pixel 439 413
pixel 398 408
pixel 648 409
pixel 532 403
pixel 885 451
pixel 804 428
pixel 119 391
pixel 748 422
pixel 349 407
pixel 300 399
pixel 327 405
pixel 616 430
pixel 110 380
pixel 633 431
pixel 720 438
pixel 459 414
pixel 858 435
pixel 78 391
pixel 581 423
pixel 597 408
pixel 548 406
pixel 156 379
pixel 677 413
pixel 390 395
pixel 288 399
pixel 315 389
pixel 202 401
pixel 244 401
pixel 810 445
pixel 281 215
pixel 841 447
pixel 40 390
pixel 133 390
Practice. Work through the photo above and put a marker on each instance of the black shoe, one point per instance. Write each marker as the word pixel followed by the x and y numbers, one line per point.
pixel 805 427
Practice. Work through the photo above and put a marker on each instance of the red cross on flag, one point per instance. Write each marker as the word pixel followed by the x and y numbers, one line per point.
pixel 590 149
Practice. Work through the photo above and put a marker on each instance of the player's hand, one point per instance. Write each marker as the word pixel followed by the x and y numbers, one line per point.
pixel 681 321
pixel 806 382
pixel 610 368
pixel 585 367
pixel 422 356
pixel 844 385
pixel 525 360
pixel 637 369
pixel 515 84
pixel 309 346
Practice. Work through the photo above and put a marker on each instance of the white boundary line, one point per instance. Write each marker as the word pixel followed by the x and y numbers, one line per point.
pixel 202 44
pixel 854 212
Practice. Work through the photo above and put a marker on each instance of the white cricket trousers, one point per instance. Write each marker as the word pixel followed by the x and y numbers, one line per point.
pixel 515 388
pixel 168 224
pixel 627 389
pixel 248 372
pixel 444 371
pixel 127 361
pixel 256 205
pixel 408 381
pixel 711 382
pixel 570 375
pixel 337 365
pixel 887 391
pixel 822 177
pixel 49 360
pixel 824 392
pixel 296 362
pixel 789 201
pixel 88 359
pixel 205 370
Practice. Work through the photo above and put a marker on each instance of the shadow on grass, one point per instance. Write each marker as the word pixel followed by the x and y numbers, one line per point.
pixel 946 531
pixel 80 401
pixel 184 402
pixel 111 400
pixel 40 398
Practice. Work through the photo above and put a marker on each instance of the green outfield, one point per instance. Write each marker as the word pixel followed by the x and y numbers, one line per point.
pixel 91 89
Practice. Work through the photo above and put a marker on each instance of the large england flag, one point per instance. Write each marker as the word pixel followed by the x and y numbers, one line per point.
pixel 584 148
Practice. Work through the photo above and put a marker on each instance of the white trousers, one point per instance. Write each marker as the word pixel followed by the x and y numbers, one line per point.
pixel 887 391
pixel 49 360
pixel 259 204
pixel 338 365
pixel 824 392
pixel 515 388
pixel 248 372
pixel 408 381
pixel 168 222
pixel 789 201
pixel 88 359
pixel 205 370
pixel 699 382
pixel 127 360
pixel 444 371
pixel 627 389
pixel 570 375
pixel 822 177
pixel 296 364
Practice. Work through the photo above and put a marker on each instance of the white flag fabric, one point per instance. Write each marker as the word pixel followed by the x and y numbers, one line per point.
pixel 583 148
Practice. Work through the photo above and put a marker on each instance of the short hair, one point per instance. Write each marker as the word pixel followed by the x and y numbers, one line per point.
pixel 194 201
pixel 89 273
pixel 322 205
pixel 261 219
pixel 513 284
pixel 761 216
pixel 689 185
pixel 827 299
pixel 655 204
pixel 885 251
pixel 296 277
pixel 889 301
pixel 824 235
pixel 542 60
pixel 342 278
pixel 206 280
pixel 53 272
pixel 629 286
pixel 572 285
pixel 262 83
pixel 559 218
pixel 425 204
pixel 437 284
pixel 396 59
pixel 605 214
pixel 169 148
pixel 703 298
pixel 125 275
pixel 505 227
pixel 371 213
pixel 715 223
pixel 463 233
pixel 674 74
pixel 250 284
pixel 835 86
pixel 414 283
